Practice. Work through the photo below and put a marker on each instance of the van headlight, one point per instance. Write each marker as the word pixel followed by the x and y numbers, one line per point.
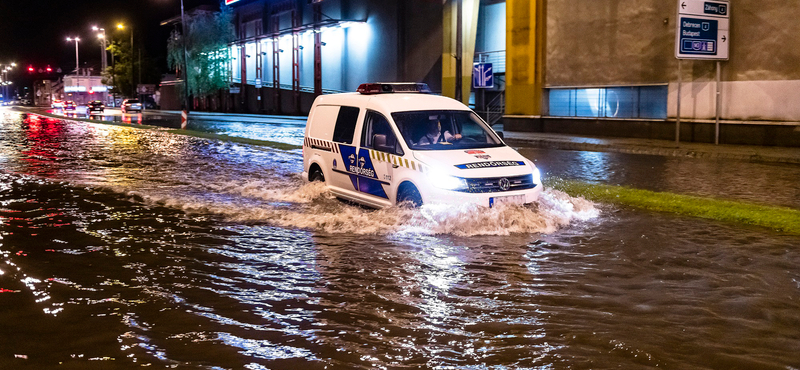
pixel 537 176
pixel 447 182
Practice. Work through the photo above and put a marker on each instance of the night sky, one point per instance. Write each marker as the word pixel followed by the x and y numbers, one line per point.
pixel 34 32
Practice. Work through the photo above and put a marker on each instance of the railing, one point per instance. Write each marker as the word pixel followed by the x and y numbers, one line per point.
pixel 497 58
pixel 495 109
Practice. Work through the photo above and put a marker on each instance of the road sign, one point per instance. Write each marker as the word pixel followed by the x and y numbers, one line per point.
pixel 703 30
pixel 184 119
pixel 235 89
pixel 482 76
pixel 258 83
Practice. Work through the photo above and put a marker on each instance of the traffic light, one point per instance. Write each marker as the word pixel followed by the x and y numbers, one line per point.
pixel 40 70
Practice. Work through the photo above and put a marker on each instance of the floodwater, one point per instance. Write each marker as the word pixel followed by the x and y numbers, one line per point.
pixel 122 248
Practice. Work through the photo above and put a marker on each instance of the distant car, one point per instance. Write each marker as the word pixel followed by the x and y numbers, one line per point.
pixel 95 106
pixel 57 104
pixel 131 105
pixel 69 105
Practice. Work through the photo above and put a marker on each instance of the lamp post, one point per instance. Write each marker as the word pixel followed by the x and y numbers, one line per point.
pixel 77 65
pixel 4 79
pixel 102 37
pixel 103 54
pixel 185 65
pixel 122 26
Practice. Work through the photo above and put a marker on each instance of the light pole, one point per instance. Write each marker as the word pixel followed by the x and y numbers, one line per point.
pixel 122 26
pixel 77 65
pixel 102 36
pixel 4 78
pixel 185 65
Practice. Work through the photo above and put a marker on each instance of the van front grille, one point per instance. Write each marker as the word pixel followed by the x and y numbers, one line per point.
pixel 497 184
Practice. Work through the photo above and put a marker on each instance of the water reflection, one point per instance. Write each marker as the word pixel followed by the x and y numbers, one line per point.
pixel 766 183
pixel 146 249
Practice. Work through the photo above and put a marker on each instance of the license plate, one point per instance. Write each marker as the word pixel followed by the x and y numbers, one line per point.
pixel 513 199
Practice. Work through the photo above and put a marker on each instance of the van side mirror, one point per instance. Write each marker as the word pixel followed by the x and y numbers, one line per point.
pixel 379 143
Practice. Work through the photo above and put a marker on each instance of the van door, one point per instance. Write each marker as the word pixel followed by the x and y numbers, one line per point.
pixel 343 149
pixel 378 144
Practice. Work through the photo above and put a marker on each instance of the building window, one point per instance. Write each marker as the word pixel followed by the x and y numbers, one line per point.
pixel 648 102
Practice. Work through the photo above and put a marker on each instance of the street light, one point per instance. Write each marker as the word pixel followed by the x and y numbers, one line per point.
pixel 102 36
pixel 4 79
pixel 77 65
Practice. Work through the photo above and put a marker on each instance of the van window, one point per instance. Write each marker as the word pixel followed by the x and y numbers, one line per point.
pixel 437 130
pixel 345 125
pixel 378 134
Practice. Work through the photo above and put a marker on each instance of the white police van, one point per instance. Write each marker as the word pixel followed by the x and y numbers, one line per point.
pixel 395 142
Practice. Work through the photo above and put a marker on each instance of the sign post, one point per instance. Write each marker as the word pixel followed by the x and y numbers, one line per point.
pixel 482 78
pixel 702 34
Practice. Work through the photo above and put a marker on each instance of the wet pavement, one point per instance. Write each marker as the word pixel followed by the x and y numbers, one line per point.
pixel 122 248
pixel 654 147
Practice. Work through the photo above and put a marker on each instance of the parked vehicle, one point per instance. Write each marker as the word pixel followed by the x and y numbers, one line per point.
pixel 131 105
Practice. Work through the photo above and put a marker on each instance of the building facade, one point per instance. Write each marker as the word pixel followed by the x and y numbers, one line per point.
pixel 603 67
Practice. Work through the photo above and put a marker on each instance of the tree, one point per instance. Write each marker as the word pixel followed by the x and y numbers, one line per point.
pixel 117 75
pixel 207 37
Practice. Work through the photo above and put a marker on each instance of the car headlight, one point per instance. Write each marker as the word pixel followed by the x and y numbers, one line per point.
pixel 447 182
pixel 537 176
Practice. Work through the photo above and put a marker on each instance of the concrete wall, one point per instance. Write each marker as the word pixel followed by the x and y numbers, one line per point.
pixel 740 100
pixel 606 42
pixel 629 42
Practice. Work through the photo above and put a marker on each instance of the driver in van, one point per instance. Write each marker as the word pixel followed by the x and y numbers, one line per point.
pixel 434 135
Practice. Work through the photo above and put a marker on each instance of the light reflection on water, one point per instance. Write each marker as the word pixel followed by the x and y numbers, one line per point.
pixel 173 251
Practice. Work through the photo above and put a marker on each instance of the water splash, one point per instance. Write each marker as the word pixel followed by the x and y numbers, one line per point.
pixel 291 202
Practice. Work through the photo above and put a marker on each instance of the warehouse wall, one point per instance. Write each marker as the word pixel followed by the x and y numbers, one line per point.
pixel 631 42
pixel 606 42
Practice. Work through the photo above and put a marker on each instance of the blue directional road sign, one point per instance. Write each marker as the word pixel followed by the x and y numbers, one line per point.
pixel 482 76
pixel 702 31
pixel 698 36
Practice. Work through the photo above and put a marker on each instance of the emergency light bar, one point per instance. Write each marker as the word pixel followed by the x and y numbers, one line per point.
pixel 393 87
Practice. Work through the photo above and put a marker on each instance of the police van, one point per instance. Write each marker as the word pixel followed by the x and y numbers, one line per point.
pixel 390 143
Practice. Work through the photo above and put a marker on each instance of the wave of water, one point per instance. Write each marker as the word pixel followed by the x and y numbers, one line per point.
pixel 294 203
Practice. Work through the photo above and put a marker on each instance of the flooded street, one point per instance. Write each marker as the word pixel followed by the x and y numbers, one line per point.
pixel 123 247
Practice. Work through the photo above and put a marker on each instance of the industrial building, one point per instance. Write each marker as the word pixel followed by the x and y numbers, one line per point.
pixel 602 67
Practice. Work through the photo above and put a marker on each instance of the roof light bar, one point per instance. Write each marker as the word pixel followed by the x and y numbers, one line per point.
pixel 393 87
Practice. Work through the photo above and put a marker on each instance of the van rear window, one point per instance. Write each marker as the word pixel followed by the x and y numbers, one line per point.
pixel 345 125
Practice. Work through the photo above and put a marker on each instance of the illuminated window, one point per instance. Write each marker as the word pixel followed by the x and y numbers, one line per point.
pixel 648 102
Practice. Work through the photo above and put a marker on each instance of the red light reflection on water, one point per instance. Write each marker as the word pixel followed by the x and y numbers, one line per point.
pixel 44 137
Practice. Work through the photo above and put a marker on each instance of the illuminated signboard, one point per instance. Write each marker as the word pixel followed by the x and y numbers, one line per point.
pixel 229 2
pixel 70 89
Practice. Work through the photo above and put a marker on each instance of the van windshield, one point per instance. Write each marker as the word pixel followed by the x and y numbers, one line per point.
pixel 444 130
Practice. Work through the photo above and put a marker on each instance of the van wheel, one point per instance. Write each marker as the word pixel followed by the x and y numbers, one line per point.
pixel 316 175
pixel 410 195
